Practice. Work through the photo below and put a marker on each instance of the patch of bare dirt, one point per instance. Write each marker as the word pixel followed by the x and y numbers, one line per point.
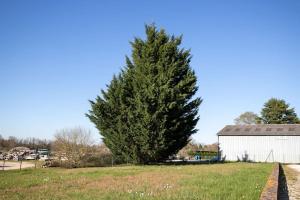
pixel 15 165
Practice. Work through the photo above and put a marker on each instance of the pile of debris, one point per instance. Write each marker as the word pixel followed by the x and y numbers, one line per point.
pixel 16 153
pixel 24 153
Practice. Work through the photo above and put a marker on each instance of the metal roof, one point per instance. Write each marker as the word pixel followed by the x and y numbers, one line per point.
pixel 261 130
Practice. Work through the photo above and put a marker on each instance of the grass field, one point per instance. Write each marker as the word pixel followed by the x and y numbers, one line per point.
pixel 218 181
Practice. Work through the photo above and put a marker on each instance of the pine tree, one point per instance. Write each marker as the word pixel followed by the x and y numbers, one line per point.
pixel 277 111
pixel 148 111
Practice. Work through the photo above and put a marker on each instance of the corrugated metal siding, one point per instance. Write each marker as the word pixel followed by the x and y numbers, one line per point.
pixel 284 149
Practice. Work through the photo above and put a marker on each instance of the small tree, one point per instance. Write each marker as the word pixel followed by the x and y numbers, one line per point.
pixel 73 144
pixel 147 112
pixel 246 118
pixel 277 111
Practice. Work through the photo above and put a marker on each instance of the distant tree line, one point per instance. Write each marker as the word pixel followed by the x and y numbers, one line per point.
pixel 70 148
pixel 191 149
pixel 30 142
pixel 274 111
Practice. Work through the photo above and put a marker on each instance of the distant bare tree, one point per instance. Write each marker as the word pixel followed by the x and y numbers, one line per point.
pixel 12 142
pixel 189 150
pixel 73 144
pixel 30 142
pixel 246 118
pixel 2 142
pixel 210 147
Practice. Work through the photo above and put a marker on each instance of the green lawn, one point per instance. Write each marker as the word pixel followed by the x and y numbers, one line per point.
pixel 218 181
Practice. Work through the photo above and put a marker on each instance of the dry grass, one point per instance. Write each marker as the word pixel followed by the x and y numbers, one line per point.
pixel 219 181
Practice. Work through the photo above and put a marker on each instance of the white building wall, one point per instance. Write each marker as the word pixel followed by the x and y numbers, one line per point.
pixel 284 149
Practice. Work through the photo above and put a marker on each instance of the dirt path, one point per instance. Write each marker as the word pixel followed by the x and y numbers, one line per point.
pixel 293 181
pixel 15 165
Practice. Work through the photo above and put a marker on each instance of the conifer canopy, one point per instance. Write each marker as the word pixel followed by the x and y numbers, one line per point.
pixel 277 111
pixel 148 111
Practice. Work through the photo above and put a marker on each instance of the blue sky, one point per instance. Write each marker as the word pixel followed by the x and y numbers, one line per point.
pixel 56 55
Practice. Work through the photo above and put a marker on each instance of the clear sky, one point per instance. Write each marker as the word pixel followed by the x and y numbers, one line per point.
pixel 56 55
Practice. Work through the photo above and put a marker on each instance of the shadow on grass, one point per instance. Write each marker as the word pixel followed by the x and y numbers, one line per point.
pixel 185 162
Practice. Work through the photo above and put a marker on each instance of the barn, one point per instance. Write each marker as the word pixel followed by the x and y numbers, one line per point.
pixel 260 143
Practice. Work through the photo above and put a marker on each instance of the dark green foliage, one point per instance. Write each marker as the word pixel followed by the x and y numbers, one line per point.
pixel 277 111
pixel 147 112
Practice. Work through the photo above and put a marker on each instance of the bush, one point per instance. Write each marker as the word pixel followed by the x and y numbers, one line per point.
pixel 92 160
pixel 98 161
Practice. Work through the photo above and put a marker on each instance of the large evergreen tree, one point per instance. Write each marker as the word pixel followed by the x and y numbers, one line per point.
pixel 148 111
pixel 277 111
